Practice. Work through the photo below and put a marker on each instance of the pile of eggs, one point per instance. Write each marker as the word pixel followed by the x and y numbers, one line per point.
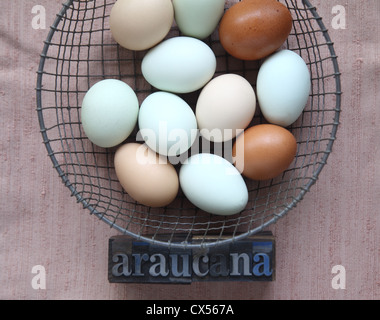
pixel 248 30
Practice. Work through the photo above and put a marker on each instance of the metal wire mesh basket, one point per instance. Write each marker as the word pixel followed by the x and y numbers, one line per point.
pixel 79 51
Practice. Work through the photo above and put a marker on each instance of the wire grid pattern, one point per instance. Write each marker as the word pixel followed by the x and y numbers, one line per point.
pixel 79 51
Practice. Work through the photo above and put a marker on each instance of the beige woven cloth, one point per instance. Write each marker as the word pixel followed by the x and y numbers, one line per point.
pixel 338 222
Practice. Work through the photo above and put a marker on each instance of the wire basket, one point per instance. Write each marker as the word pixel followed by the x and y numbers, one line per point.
pixel 79 51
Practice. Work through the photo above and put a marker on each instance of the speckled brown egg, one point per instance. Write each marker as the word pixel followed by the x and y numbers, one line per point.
pixel 253 29
pixel 264 151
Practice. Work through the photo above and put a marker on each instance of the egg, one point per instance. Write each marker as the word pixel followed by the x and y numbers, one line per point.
pixel 109 112
pixel 253 29
pixel 167 123
pixel 198 18
pixel 179 65
pixel 213 184
pixel 264 151
pixel 141 24
pixel 147 177
pixel 283 87
pixel 226 106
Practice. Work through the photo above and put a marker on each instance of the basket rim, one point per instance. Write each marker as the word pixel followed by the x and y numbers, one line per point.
pixel 205 244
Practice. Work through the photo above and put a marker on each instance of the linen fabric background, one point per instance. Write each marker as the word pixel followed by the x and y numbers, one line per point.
pixel 337 223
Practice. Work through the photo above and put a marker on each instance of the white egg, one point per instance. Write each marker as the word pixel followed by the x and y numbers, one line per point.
pixel 213 184
pixel 283 87
pixel 109 112
pixel 167 123
pixel 225 107
pixel 179 65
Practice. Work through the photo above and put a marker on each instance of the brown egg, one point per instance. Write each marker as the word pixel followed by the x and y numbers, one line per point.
pixel 147 177
pixel 264 151
pixel 253 29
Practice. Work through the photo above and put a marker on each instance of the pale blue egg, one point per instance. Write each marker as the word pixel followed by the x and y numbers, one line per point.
pixel 167 124
pixel 109 112
pixel 179 65
pixel 213 184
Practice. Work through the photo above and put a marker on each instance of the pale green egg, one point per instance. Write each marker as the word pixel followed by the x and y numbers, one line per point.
pixel 213 184
pixel 179 65
pixel 109 112
pixel 198 18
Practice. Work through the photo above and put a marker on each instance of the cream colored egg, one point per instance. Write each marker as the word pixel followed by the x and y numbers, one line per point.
pixel 141 24
pixel 147 177
pixel 225 107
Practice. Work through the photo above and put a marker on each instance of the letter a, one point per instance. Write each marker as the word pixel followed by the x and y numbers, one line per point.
pixel 339 21
pixel 39 21
pixel 39 280
pixel 338 281
pixel 264 265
